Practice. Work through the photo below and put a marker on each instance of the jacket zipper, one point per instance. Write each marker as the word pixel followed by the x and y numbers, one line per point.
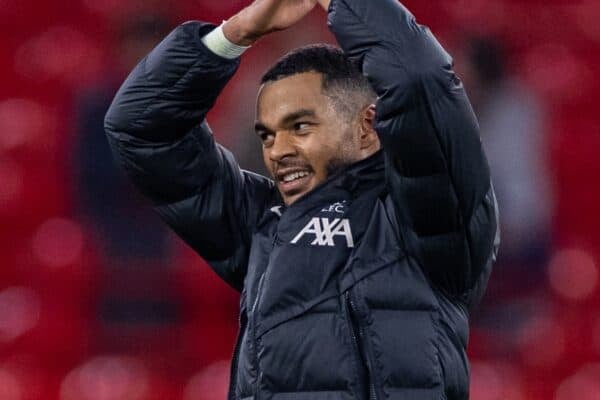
pixel 256 341
pixel 235 358
pixel 358 338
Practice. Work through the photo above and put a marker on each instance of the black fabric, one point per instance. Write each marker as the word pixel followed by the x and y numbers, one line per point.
pixel 362 287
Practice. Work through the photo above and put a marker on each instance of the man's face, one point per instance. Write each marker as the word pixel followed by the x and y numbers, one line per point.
pixel 304 138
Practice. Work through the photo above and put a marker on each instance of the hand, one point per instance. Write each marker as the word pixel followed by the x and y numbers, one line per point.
pixel 263 17
pixel 324 4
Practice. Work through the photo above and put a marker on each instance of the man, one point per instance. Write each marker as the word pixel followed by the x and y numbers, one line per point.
pixel 357 266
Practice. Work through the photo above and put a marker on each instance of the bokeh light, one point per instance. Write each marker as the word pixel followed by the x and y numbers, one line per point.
pixel 57 242
pixel 583 385
pixel 23 121
pixel 61 52
pixel 495 380
pixel 10 387
pixel 573 274
pixel 542 341
pixel 107 378
pixel 19 312
pixel 212 383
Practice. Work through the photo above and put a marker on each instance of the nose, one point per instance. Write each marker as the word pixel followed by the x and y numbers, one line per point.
pixel 282 146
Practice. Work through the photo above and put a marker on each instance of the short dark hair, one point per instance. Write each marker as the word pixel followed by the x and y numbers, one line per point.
pixel 343 81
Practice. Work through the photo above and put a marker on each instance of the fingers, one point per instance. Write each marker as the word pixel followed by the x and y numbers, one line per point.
pixel 324 4
pixel 263 17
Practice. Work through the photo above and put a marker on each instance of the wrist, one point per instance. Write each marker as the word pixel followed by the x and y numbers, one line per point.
pixel 238 32
pixel 218 43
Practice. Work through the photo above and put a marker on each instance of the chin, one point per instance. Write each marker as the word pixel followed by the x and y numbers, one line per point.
pixel 289 200
pixel 292 198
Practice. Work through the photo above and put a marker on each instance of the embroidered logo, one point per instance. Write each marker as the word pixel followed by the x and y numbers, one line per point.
pixel 338 207
pixel 325 230
pixel 276 210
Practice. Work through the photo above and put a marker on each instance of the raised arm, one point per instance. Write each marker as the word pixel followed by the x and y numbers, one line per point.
pixel 437 173
pixel 156 127
pixel 158 134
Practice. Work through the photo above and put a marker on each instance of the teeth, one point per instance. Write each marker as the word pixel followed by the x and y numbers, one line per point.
pixel 294 176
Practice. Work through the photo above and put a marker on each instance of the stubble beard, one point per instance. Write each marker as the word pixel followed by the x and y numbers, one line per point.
pixel 336 165
pixel 344 157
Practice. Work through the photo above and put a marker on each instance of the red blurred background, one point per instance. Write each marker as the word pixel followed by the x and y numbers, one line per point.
pixel 99 302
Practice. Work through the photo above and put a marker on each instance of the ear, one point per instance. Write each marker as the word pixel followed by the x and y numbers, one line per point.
pixel 369 140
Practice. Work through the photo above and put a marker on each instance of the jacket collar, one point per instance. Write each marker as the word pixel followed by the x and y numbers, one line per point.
pixel 346 184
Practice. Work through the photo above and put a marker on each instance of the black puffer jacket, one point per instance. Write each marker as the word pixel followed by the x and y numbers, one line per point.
pixel 362 287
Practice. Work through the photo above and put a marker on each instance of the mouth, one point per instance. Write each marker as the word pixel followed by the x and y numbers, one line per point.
pixel 293 181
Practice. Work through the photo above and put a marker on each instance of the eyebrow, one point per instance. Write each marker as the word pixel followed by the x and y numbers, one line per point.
pixel 291 117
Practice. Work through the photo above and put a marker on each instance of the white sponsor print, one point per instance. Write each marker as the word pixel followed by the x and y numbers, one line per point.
pixel 325 230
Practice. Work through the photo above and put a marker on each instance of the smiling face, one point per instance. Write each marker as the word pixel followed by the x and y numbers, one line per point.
pixel 305 139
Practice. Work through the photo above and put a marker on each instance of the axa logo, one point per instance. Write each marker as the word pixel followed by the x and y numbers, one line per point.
pixel 325 230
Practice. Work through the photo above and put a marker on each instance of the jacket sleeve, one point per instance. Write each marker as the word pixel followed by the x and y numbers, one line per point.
pixel 157 130
pixel 437 173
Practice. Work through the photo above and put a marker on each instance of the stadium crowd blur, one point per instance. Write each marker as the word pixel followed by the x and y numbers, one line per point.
pixel 98 301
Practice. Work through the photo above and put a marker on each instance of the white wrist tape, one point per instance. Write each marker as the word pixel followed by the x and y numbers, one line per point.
pixel 221 46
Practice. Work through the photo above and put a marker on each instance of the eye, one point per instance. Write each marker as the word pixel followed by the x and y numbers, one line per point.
pixel 266 138
pixel 302 126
